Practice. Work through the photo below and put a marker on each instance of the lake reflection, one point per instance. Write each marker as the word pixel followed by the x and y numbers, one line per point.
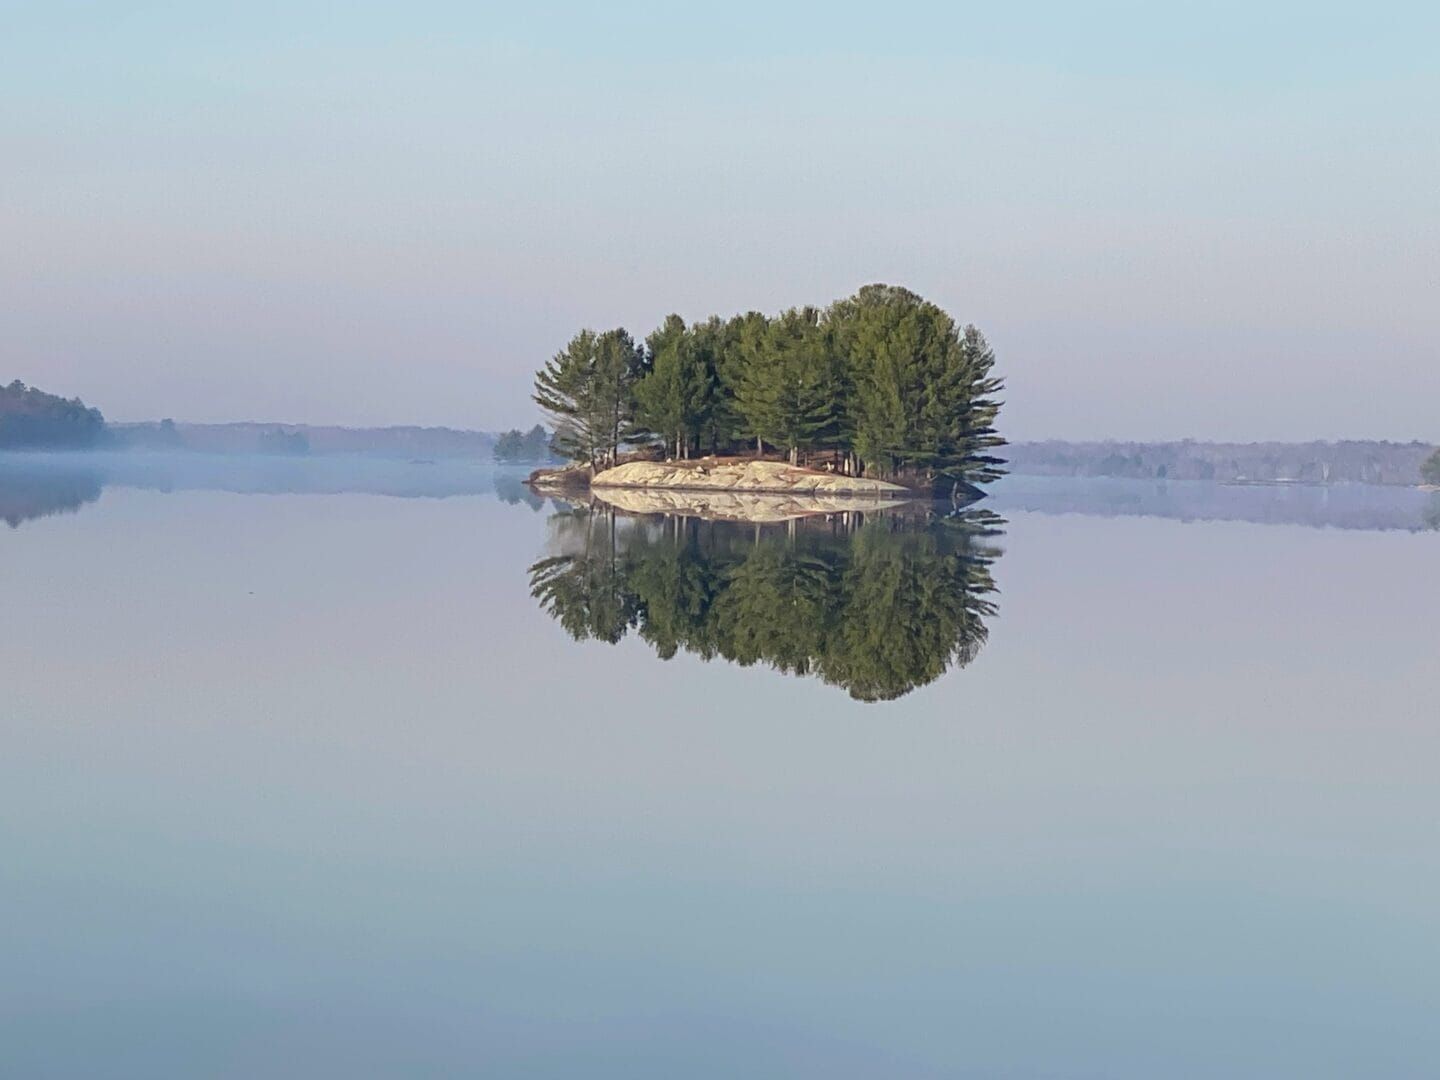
pixel 876 603
pixel 27 493
pixel 300 782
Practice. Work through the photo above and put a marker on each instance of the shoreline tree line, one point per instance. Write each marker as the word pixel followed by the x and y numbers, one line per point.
pixel 515 446
pixel 31 418
pixel 881 384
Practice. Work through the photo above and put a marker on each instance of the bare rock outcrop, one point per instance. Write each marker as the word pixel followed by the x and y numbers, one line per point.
pixel 733 505
pixel 755 477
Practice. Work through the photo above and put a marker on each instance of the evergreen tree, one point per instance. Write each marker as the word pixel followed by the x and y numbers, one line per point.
pixel 720 423
pixel 674 400
pixel 919 401
pixel 588 390
pixel 786 386
pixel 509 446
pixel 515 446
pixel 740 346
pixel 536 444
pixel 884 379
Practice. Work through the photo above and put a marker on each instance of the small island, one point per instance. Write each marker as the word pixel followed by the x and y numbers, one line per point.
pixel 878 394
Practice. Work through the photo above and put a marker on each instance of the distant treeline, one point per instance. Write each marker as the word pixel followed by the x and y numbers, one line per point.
pixel 528 446
pixel 1315 462
pixel 31 418
pixel 882 384
pixel 298 439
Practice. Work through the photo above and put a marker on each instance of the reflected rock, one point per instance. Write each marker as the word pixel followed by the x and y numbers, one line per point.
pixel 736 505
pixel 879 604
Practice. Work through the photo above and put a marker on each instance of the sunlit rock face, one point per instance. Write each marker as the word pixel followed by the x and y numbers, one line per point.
pixel 878 603
pixel 754 476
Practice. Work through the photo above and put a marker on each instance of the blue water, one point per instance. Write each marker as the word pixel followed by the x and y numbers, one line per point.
pixel 299 780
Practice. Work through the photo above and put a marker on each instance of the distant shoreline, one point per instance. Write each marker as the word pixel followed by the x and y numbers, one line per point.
pixel 1368 461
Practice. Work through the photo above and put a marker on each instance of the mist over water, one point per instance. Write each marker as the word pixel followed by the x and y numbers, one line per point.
pixel 306 774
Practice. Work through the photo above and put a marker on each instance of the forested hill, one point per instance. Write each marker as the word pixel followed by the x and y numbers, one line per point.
pixel 1314 462
pixel 31 418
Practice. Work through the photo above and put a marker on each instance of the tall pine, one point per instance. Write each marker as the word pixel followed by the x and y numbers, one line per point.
pixel 588 391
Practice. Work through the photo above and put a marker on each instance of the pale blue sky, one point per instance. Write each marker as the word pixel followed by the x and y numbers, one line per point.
pixel 1171 219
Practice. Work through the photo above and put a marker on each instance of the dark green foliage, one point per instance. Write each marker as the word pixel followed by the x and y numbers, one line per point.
pixel 1430 471
pixel 529 446
pixel 676 397
pixel 788 386
pixel 33 418
pixel 587 591
pixel 588 389
pixel 883 383
pixel 921 401
pixel 879 608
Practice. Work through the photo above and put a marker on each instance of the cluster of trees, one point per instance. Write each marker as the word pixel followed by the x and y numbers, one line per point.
pixel 879 608
pixel 1430 471
pixel 516 446
pixel 31 418
pixel 882 384
pixel 1360 461
pixel 284 443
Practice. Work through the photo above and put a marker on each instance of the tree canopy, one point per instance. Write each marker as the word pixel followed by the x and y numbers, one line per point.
pixel 517 446
pixel 1430 471
pixel 33 418
pixel 588 390
pixel 882 384
pixel 284 443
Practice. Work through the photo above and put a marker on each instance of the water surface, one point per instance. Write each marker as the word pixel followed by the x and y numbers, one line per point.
pixel 301 780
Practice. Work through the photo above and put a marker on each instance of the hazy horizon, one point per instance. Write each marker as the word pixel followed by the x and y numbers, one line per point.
pixel 1214 224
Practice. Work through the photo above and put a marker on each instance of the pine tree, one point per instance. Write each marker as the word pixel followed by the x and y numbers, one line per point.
pixel 785 388
pixel 510 446
pixel 884 378
pixel 588 390
pixel 920 398
pixel 675 398
pixel 741 348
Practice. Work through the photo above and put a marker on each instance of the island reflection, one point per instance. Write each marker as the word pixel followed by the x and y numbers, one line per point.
pixel 877 602
pixel 27 494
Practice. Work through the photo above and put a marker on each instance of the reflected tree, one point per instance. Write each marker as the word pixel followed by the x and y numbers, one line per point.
pixel 587 591
pixel 879 604
pixel 29 493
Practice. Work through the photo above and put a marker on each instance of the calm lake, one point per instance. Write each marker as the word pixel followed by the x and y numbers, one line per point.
pixel 327 768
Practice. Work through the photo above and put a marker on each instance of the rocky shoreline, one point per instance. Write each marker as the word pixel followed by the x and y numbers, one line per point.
pixel 750 477
pixel 746 506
